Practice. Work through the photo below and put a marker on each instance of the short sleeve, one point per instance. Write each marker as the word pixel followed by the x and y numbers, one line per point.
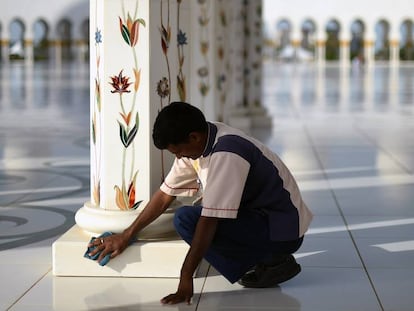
pixel 225 183
pixel 181 180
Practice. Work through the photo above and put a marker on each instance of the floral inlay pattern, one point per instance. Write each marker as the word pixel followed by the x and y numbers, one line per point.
pixel 163 87
pixel 165 31
pixel 222 55
pixel 129 26
pixel 96 125
pixel 123 92
pixel 203 70
pixel 181 41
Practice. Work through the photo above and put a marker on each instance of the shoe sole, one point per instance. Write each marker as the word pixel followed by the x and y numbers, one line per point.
pixel 287 274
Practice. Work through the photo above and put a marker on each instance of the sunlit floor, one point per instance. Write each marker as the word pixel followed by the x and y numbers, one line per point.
pixel 346 133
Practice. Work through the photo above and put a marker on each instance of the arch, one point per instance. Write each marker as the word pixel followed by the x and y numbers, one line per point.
pixel 40 40
pixel 332 46
pixel 17 31
pixel 356 47
pixel 307 44
pixel 284 48
pixel 406 42
pixel 64 34
pixel 382 41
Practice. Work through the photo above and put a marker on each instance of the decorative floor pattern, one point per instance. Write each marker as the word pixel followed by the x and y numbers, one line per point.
pixel 346 133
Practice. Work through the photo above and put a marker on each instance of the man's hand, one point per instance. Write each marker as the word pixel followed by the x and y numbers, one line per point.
pixel 114 244
pixel 184 293
pixel 117 243
pixel 204 234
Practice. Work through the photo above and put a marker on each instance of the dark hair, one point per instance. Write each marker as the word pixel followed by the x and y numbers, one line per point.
pixel 175 122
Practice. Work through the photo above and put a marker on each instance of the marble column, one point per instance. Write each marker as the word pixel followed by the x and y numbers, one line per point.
pixel 140 62
pixel 28 50
pixel 394 52
pixel 320 51
pixel 253 65
pixel 237 62
pixel 369 49
pixel 125 167
pixel 222 39
pixel 344 53
pixel 203 57
pixel 237 113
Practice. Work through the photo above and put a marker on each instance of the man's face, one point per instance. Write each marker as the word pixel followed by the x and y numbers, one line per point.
pixel 192 149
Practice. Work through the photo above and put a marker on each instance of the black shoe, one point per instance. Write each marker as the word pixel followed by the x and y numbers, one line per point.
pixel 270 275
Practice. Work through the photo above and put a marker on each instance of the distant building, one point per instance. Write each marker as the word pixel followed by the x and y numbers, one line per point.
pixel 346 31
pixel 318 30
pixel 45 30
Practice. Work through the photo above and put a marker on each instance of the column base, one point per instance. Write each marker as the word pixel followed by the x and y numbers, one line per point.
pixel 142 259
pixel 96 220
pixel 239 119
pixel 260 118
pixel 247 118
pixel 243 123
pixel 262 121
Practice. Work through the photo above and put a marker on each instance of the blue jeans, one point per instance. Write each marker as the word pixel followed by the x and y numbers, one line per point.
pixel 239 244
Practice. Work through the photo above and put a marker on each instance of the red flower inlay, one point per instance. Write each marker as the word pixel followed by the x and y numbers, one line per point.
pixel 120 84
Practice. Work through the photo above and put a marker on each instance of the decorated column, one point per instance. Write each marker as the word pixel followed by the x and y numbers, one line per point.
pixel 121 116
pixel 253 64
pixel 236 111
pixel 222 58
pixel 139 64
pixel 203 56
pixel 394 46
pixel 229 49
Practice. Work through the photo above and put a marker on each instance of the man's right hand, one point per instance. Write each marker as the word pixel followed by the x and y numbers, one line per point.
pixel 114 244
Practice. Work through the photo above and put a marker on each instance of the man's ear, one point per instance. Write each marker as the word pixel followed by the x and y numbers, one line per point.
pixel 194 137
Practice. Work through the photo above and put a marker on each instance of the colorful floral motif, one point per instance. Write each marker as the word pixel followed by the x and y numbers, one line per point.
pixel 96 125
pixel 165 32
pixel 222 55
pixel 120 84
pixel 181 41
pixel 98 36
pixel 163 88
pixel 129 123
pixel 203 71
pixel 130 30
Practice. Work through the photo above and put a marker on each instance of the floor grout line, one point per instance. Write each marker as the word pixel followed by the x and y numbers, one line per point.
pixel 29 289
pixel 343 218
pixel 202 287
pixel 380 147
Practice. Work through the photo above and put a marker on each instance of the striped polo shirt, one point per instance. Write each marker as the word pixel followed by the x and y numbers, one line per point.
pixel 237 172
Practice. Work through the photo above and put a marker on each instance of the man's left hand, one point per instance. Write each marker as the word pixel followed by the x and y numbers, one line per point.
pixel 184 293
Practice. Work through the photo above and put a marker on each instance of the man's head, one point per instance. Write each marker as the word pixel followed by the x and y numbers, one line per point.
pixel 182 129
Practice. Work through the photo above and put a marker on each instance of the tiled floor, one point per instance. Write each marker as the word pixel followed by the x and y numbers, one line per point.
pixel 347 134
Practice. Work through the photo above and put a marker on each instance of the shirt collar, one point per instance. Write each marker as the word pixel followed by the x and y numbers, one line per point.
pixel 211 138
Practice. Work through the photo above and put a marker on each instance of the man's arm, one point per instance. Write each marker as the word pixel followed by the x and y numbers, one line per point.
pixel 117 243
pixel 203 236
pixel 159 202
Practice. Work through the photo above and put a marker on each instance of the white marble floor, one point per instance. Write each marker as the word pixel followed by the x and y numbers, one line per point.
pixel 346 133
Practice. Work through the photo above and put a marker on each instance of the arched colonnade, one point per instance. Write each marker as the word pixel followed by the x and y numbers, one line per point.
pixel 42 40
pixel 345 31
